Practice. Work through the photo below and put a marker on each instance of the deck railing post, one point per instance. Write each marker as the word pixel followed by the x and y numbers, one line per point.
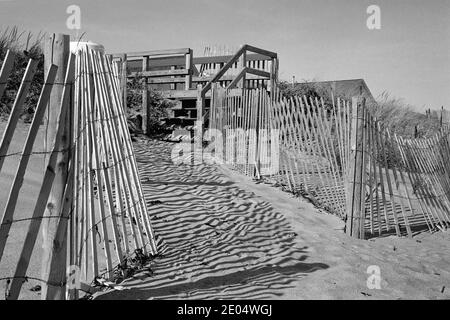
pixel 189 64
pixel 273 78
pixel 243 65
pixel 173 85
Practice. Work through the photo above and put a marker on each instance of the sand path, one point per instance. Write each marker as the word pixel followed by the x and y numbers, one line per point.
pixel 223 236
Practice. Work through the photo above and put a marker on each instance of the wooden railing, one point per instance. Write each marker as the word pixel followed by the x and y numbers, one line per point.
pixel 241 57
pixel 251 66
pixel 175 57
pixel 177 66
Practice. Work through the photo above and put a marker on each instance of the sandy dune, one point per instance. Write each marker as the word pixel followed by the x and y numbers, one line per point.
pixel 223 236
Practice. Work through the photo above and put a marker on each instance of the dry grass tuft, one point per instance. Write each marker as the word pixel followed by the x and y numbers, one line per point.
pixel 25 46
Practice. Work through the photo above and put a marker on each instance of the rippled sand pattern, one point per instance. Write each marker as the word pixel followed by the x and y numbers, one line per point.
pixel 217 241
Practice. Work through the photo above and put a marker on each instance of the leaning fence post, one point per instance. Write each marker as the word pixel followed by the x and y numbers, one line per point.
pixel 145 112
pixel 356 170
pixel 57 51
pixel 123 80
pixel 257 140
pixel 198 138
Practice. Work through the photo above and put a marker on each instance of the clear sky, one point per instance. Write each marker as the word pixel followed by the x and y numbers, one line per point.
pixel 315 39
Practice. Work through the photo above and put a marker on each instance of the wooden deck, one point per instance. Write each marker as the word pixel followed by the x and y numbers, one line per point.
pixel 177 74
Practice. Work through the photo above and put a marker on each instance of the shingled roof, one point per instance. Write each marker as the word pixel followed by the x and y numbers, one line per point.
pixel 345 88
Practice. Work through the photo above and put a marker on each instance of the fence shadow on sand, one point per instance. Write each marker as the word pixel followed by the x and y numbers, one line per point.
pixel 217 241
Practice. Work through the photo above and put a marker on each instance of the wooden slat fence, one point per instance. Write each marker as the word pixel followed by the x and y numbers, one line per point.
pixel 103 230
pixel 338 155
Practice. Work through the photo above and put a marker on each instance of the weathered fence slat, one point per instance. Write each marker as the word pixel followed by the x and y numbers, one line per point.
pixel 45 189
pixel 16 110
pixel 8 212
pixel 6 69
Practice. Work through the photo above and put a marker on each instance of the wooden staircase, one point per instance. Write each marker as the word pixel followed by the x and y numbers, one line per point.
pixel 187 80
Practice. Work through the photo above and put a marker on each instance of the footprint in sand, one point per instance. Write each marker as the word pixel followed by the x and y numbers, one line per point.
pixel 366 258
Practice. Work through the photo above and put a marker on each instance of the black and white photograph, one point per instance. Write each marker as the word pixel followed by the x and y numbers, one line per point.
pixel 224 154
